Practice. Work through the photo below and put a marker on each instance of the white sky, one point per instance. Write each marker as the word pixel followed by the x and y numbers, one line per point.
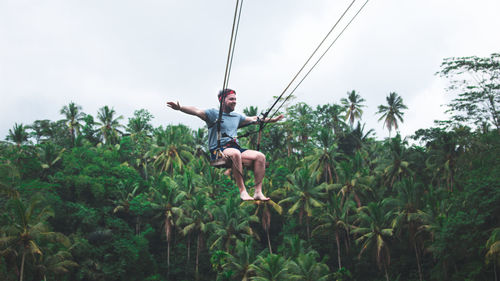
pixel 139 54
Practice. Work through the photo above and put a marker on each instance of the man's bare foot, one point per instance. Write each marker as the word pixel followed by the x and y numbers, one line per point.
pixel 260 196
pixel 245 197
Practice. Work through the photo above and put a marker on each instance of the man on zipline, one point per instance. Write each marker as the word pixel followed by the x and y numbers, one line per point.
pixel 229 144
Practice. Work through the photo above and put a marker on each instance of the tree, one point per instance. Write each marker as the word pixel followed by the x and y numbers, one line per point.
pixel 231 223
pixel 26 227
pixel 305 194
pixel 166 197
pixel 307 268
pixel 374 232
pixel 109 125
pixel 323 159
pixel 477 81
pixel 171 148
pixel 195 221
pixel 140 123
pixel 493 247
pixel 408 204
pixel 240 262
pixel 335 218
pixel 352 106
pixel 73 117
pixel 269 268
pixel 265 217
pixel 392 112
pixel 18 134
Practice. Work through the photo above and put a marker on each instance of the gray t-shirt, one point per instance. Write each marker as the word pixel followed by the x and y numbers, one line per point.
pixel 228 127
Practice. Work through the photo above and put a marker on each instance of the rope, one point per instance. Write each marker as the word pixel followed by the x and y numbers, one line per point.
pixel 318 60
pixel 229 62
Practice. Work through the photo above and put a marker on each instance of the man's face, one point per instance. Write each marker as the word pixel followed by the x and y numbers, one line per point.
pixel 230 102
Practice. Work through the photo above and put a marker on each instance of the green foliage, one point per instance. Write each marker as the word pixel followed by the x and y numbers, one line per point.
pixel 147 205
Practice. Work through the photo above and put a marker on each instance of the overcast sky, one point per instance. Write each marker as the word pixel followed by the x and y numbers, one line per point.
pixel 139 54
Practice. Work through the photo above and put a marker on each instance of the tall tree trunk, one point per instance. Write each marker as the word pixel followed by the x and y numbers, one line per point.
pixel 22 266
pixel 197 255
pixel 269 242
pixel 418 260
pixel 337 239
pixel 386 275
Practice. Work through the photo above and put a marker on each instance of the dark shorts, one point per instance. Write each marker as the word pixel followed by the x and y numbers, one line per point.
pixel 231 144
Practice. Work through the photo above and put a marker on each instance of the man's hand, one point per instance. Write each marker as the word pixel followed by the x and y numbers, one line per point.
pixel 277 118
pixel 174 105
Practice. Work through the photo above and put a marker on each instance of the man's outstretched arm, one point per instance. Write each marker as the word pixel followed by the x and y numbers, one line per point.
pixel 254 119
pixel 191 110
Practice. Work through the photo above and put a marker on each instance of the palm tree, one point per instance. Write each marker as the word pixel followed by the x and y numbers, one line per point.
pixel 374 232
pixel 327 116
pixel 57 264
pixel 73 117
pixel 408 204
pixel 392 111
pixel 26 228
pixel 165 199
pixel 240 262
pixel 109 124
pixel 265 217
pixel 493 247
pixel 397 167
pixel 353 180
pixel 305 194
pixel 9 177
pixel 231 224
pixel 196 220
pixel 352 106
pixel 172 148
pixel 18 134
pixel 307 268
pixel 269 268
pixel 139 124
pixel 323 159
pixel 335 218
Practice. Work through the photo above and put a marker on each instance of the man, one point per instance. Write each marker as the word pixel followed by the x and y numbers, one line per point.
pixel 229 144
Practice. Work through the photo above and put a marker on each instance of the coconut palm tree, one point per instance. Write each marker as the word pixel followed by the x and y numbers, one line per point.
pixel 397 166
pixel 269 268
pixel 353 180
pixel 73 116
pixel 110 124
pixel 352 106
pixel 18 134
pixel 304 195
pixel 195 221
pixel 374 231
pixel 335 218
pixel 172 148
pixel 493 247
pixel 408 205
pixel 166 197
pixel 265 217
pixel 231 224
pixel 56 264
pixel 240 262
pixel 27 226
pixel 392 112
pixel 323 159
pixel 306 267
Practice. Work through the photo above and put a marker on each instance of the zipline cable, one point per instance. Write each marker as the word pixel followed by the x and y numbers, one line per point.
pixel 319 59
pixel 232 44
pixel 262 125
pixel 310 57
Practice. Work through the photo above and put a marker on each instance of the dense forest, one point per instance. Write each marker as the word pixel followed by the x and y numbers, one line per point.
pixel 103 198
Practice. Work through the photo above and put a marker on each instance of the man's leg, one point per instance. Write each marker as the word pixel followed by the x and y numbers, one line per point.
pixel 235 155
pixel 259 168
